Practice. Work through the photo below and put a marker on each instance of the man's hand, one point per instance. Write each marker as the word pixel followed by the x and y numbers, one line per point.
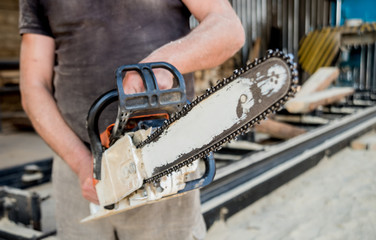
pixel 85 175
pixel 133 83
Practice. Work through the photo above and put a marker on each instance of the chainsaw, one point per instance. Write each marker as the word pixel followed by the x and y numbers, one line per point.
pixel 152 151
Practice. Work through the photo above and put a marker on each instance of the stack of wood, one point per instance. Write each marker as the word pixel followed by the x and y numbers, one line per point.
pixel 315 92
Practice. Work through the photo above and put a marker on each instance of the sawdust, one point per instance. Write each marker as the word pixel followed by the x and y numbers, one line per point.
pixel 334 200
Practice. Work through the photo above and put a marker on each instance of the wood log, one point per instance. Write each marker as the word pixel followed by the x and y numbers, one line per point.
pixel 278 129
pixel 310 102
pixel 320 80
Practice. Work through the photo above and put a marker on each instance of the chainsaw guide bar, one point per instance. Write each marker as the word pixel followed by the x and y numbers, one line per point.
pixel 252 71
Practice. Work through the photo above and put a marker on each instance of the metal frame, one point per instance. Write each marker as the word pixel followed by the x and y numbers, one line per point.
pixel 295 18
pixel 12 176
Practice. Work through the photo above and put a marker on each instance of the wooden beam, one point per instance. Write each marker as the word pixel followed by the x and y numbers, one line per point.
pixel 244 145
pixel 278 130
pixel 320 80
pixel 310 102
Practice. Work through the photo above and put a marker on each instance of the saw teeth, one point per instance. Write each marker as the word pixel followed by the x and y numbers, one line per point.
pixel 220 83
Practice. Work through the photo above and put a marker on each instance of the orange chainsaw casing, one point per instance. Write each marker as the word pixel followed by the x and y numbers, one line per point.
pixel 132 123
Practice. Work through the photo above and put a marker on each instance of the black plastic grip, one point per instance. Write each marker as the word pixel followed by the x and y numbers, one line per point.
pixel 93 130
pixel 153 97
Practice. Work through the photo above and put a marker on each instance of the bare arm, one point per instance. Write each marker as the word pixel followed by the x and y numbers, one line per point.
pixel 218 36
pixel 37 59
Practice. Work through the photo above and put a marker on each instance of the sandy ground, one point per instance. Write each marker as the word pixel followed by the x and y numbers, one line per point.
pixel 334 200
pixel 22 147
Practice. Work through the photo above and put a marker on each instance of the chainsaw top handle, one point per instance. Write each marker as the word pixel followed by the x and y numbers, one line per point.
pixel 144 103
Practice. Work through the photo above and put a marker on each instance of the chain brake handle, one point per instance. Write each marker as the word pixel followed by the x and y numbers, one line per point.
pixel 169 100
pixel 144 103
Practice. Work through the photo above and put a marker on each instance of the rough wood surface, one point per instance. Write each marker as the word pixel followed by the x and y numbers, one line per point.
pixel 306 104
pixel 278 129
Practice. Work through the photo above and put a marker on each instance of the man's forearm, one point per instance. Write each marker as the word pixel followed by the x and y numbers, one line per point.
pixel 218 37
pixel 48 122
pixel 37 57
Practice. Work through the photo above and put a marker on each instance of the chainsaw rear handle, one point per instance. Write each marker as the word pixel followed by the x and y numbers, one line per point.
pixel 169 100
pixel 93 131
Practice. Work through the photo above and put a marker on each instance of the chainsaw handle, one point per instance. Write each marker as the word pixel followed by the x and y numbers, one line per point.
pixel 206 178
pixel 168 100
pixel 92 126
pixel 152 97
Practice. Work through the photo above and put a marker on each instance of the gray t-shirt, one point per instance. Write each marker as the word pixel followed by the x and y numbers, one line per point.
pixel 93 38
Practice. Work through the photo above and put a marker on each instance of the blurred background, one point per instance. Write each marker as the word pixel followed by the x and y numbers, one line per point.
pixel 307 170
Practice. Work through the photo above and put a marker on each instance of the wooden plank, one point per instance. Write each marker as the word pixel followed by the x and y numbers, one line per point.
pixel 366 142
pixel 310 102
pixel 305 119
pixel 278 129
pixel 9 77
pixel 244 145
pixel 320 80
pixel 227 157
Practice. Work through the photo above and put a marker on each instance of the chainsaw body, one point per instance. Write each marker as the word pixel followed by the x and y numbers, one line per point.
pixel 118 165
pixel 158 137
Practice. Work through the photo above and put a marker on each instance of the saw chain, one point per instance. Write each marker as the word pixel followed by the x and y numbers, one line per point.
pixel 241 130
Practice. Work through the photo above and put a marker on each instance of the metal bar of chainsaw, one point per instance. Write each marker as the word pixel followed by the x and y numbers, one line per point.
pixel 245 98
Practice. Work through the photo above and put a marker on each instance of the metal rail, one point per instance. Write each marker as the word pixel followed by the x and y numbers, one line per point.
pixel 239 184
